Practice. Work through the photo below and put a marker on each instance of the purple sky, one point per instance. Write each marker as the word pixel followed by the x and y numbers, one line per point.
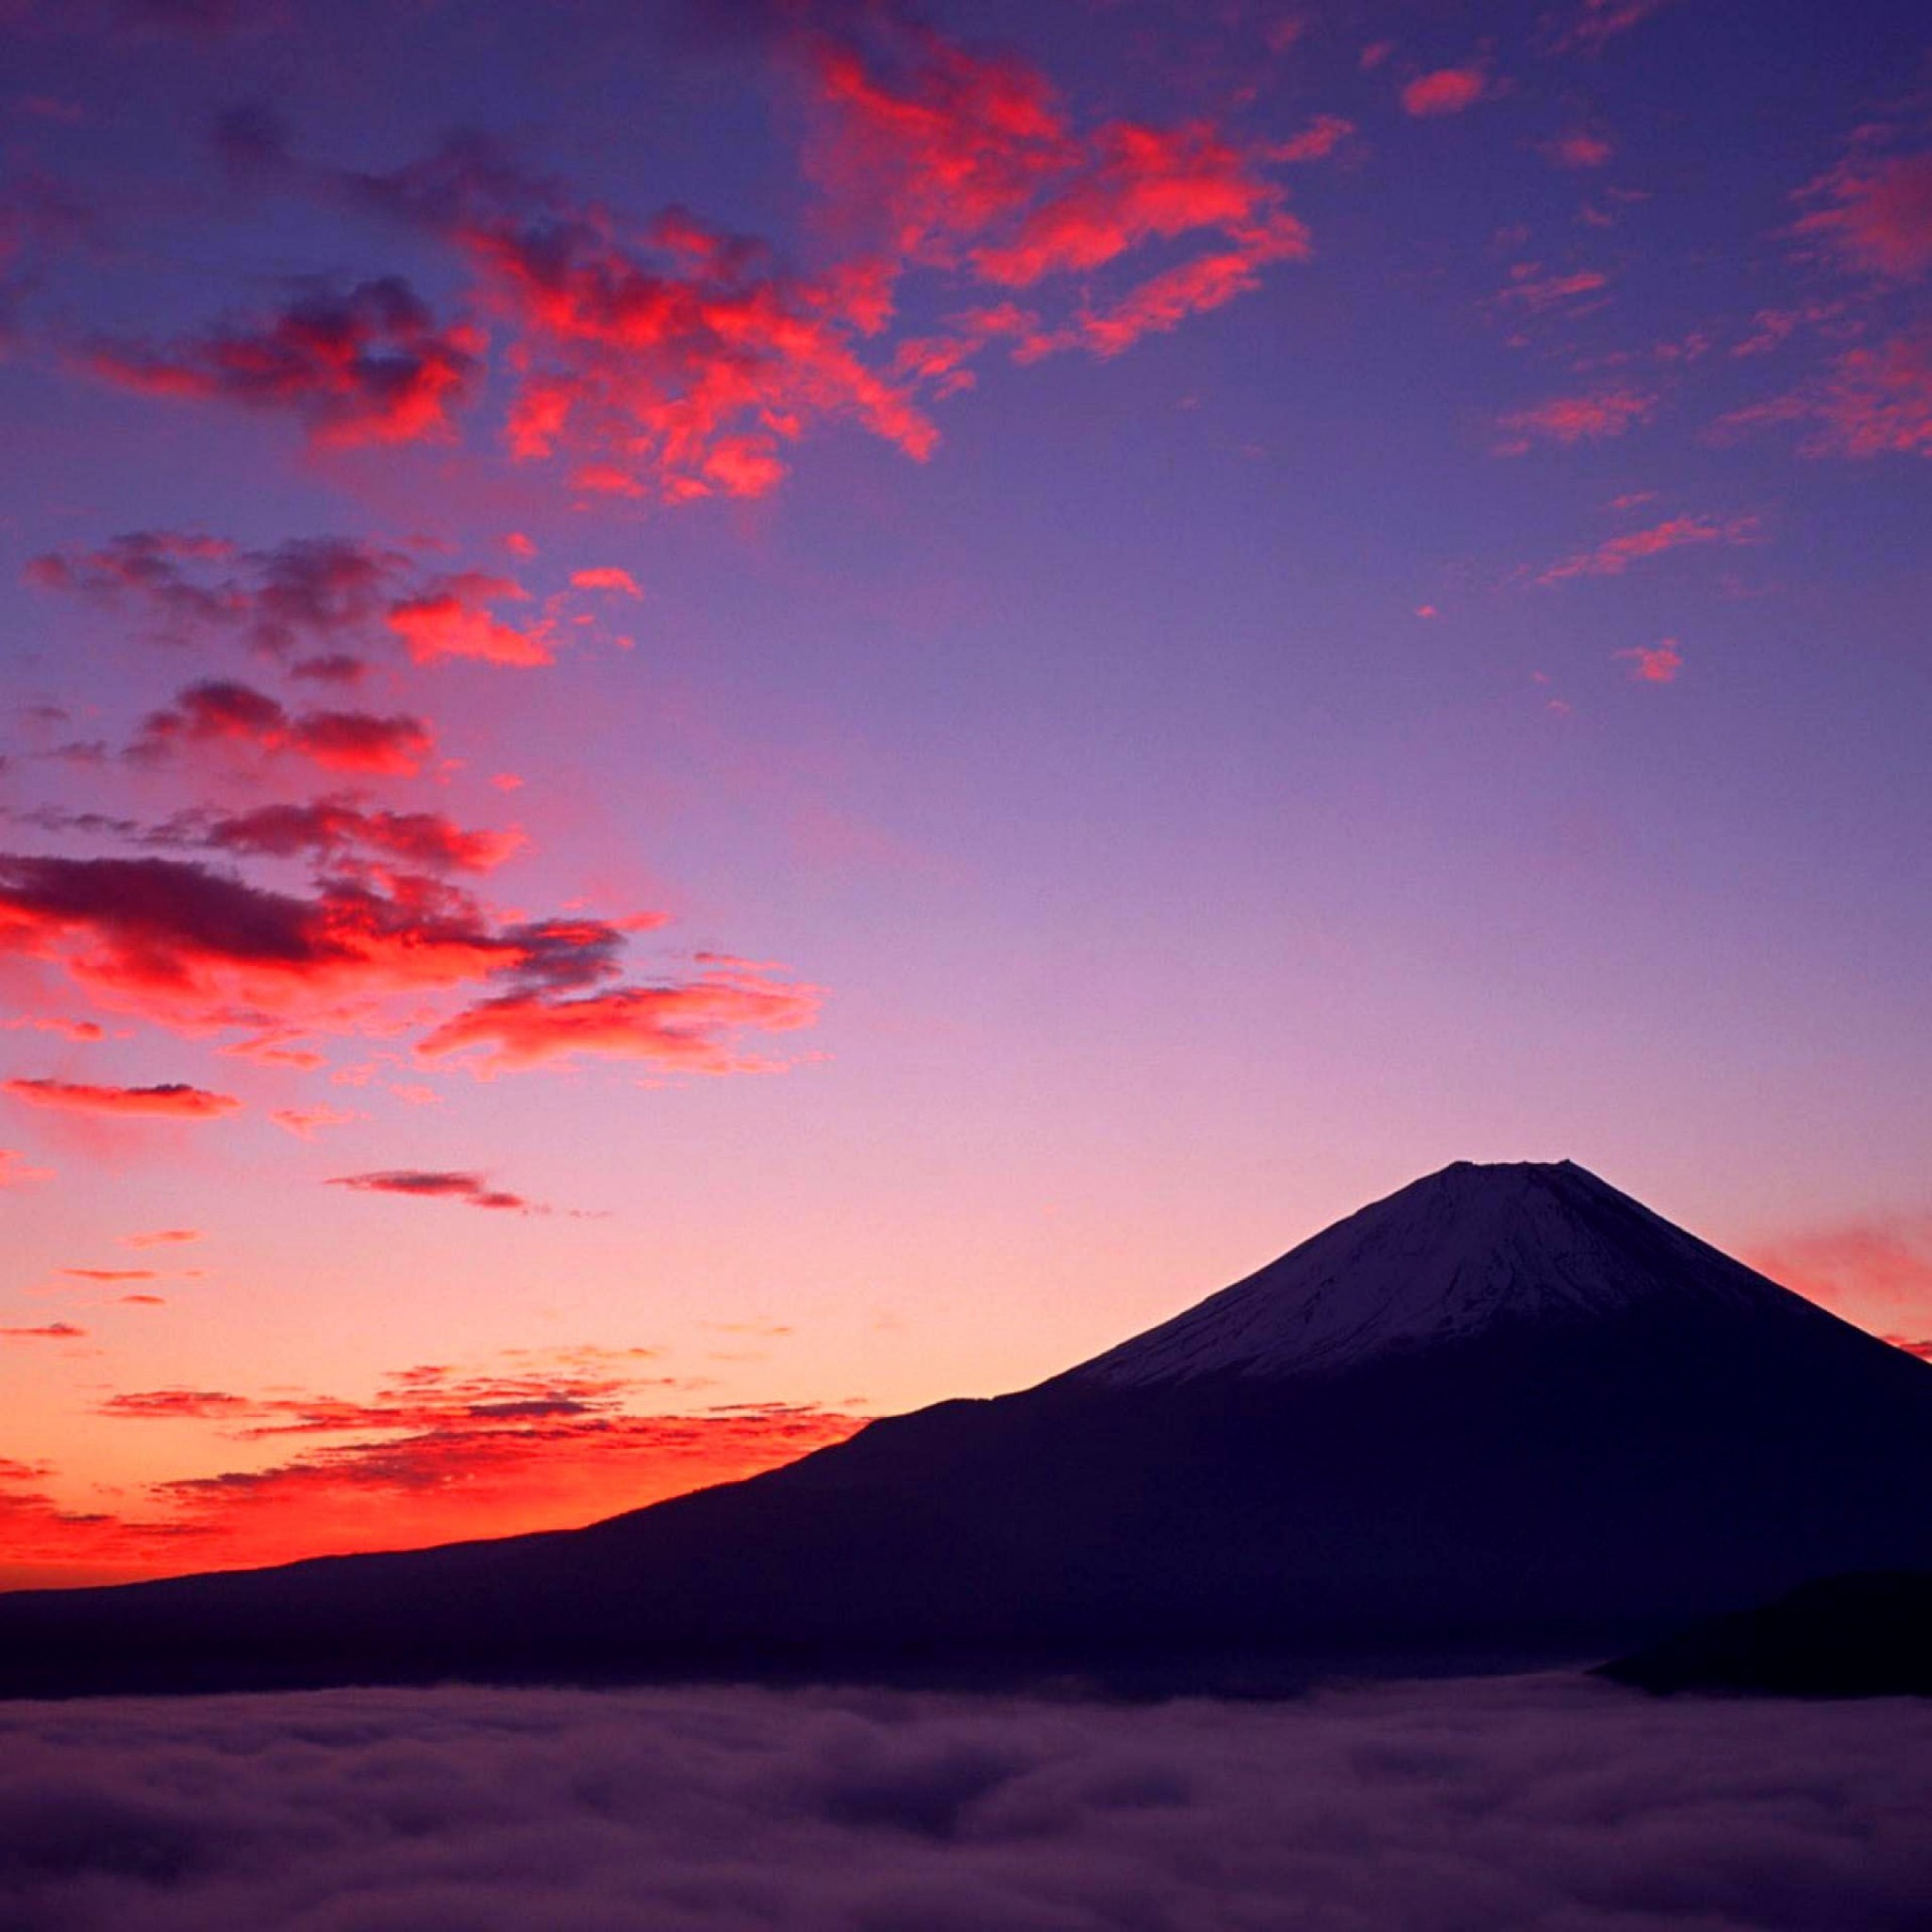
pixel 844 701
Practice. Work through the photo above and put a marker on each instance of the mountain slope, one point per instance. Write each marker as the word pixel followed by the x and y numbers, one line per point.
pixel 1508 1411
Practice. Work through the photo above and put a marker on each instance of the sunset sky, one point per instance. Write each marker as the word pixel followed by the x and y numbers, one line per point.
pixel 726 716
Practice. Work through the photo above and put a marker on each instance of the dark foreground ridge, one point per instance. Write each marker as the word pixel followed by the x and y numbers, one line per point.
pixel 1506 1415
pixel 1842 1637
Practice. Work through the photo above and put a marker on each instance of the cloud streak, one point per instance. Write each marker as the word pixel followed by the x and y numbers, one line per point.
pixel 471 1189
pixel 173 1100
pixel 1616 555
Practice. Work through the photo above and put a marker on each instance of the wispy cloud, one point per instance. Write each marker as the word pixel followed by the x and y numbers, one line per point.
pixel 173 1100
pixel 1615 554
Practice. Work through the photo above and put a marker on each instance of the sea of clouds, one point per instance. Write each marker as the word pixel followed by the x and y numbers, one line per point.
pixel 1471 1806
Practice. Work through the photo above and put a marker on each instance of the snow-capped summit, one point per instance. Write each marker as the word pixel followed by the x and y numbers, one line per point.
pixel 1445 1258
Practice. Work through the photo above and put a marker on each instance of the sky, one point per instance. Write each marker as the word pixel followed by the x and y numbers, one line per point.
pixel 722 717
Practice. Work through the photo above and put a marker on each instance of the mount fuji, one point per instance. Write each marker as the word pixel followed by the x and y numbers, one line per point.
pixel 1506 1415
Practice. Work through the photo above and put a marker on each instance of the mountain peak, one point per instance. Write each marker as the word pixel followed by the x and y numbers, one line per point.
pixel 1468 1248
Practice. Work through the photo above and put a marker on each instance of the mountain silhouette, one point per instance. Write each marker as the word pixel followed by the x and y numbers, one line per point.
pixel 1864 1636
pixel 1506 1414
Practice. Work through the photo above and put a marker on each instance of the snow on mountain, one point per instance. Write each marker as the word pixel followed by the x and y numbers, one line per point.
pixel 1442 1259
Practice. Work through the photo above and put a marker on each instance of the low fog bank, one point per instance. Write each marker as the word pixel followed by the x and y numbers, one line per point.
pixel 1473 1807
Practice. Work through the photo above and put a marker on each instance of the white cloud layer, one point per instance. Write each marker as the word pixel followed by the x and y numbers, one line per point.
pixel 1538 1802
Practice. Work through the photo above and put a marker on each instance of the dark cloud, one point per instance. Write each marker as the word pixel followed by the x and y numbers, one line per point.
pixel 1516 1804
pixel 438 1185
pixel 367 364
pixel 333 827
pixel 318 594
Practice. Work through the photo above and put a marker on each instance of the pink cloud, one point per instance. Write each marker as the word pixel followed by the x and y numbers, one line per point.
pixel 1569 419
pixel 1878 402
pixel 607 577
pixel 16 1173
pixel 1877 1272
pixel 1613 557
pixel 1877 216
pixel 305 1121
pixel 1535 291
pixel 1872 402
pixel 1581 149
pixel 1655 663
pixel 1599 21
pixel 1446 91
pixel 684 1027
pixel 1316 141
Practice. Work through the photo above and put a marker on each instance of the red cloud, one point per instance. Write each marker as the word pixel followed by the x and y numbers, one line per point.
pixel 1447 91
pixel 180 938
pixel 51 1331
pixel 1654 664
pixel 1614 556
pixel 1138 185
pixel 162 1238
pixel 693 368
pixel 110 1273
pixel 684 1027
pixel 607 579
pixel 197 950
pixel 953 145
pixel 451 619
pixel 369 366
pixel 1576 418
pixel 672 358
pixel 174 1099
pixel 1879 215
pixel 436 1456
pixel 334 828
pixel 1167 300
pixel 436 1185
pixel 15 1173
pixel 221 710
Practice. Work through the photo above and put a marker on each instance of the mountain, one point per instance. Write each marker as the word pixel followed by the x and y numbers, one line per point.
pixel 1506 1414
pixel 1866 1636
